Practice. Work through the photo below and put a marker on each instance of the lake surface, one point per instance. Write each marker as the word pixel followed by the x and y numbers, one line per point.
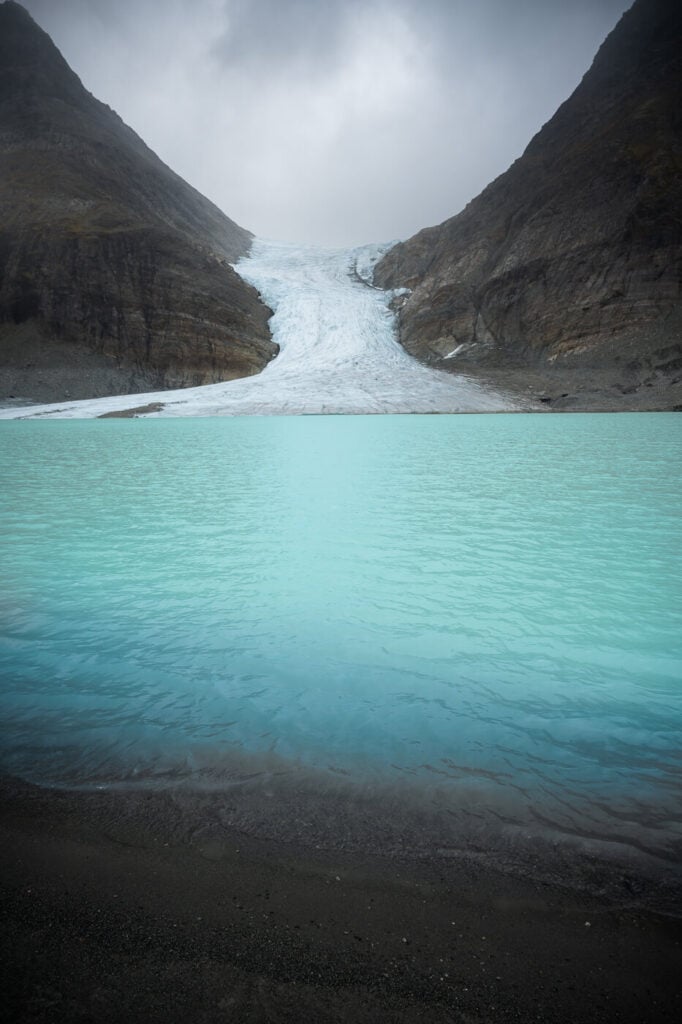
pixel 486 608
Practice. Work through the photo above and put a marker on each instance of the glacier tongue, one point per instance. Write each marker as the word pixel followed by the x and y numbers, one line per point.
pixel 337 338
pixel 338 352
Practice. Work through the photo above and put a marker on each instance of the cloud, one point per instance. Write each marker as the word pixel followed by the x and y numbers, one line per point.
pixel 271 36
pixel 339 121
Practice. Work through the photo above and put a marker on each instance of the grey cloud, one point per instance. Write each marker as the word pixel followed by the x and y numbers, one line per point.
pixel 302 34
pixel 339 121
pixel 310 33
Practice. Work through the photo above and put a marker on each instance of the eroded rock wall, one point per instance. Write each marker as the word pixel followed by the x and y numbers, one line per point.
pixel 572 259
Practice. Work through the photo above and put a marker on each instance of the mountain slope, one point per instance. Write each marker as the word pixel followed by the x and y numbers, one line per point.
pixel 569 264
pixel 114 272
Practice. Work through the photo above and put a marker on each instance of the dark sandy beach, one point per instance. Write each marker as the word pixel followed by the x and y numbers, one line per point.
pixel 121 906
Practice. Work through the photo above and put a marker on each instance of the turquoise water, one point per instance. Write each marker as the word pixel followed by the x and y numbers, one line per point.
pixel 486 606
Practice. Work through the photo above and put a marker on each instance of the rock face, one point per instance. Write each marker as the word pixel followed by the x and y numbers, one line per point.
pixel 569 264
pixel 114 272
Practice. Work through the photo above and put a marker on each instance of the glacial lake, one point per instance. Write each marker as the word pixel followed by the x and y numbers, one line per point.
pixel 486 607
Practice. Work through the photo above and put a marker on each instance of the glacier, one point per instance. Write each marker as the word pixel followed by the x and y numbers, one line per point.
pixel 338 351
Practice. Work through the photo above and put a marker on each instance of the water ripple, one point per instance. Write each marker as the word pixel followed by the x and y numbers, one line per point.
pixel 490 606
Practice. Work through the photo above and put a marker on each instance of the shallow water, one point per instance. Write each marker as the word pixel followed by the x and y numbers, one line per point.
pixel 486 607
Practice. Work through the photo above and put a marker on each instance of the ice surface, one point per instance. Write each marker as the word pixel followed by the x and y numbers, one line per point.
pixel 338 352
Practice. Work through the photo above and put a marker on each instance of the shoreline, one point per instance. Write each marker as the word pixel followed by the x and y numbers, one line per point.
pixel 139 905
pixel 534 389
pixel 533 400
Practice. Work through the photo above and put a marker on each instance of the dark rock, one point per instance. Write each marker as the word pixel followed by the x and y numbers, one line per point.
pixel 571 261
pixel 114 272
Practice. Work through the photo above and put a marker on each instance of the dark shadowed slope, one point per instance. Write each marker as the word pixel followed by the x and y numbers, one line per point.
pixel 114 272
pixel 566 269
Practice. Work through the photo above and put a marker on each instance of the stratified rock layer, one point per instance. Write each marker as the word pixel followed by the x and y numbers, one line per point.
pixel 114 272
pixel 570 263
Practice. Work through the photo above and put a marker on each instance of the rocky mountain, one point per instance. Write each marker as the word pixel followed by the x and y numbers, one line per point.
pixel 564 275
pixel 114 272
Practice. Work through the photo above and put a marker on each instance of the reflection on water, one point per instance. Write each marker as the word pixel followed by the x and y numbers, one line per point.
pixel 483 608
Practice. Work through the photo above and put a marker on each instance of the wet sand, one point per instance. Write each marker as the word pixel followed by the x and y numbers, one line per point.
pixel 121 906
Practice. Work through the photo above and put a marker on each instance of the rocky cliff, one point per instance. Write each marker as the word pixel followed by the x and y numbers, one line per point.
pixel 114 272
pixel 566 270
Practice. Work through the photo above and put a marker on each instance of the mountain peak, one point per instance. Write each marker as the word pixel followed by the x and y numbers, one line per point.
pixel 31 66
pixel 108 259
pixel 568 263
pixel 10 9
pixel 18 31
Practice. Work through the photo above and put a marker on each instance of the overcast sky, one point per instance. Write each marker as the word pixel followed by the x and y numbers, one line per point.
pixel 334 121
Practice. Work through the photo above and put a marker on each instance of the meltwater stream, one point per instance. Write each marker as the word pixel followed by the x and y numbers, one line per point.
pixel 481 612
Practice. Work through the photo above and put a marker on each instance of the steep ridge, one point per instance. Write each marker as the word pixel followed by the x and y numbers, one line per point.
pixel 566 270
pixel 114 272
